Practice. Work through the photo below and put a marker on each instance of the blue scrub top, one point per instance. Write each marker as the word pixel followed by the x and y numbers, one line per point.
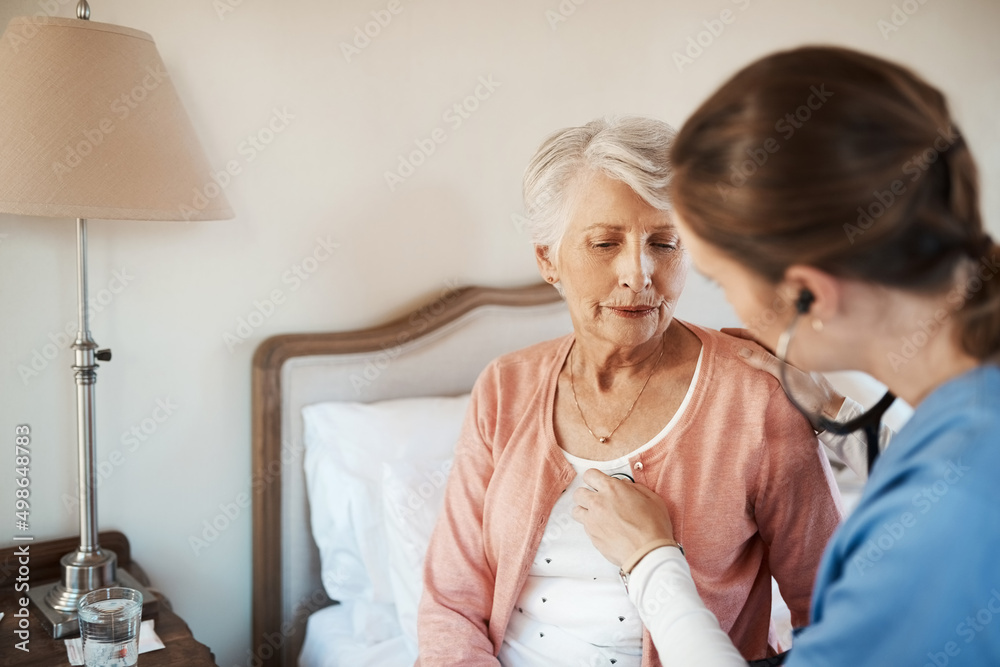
pixel 912 577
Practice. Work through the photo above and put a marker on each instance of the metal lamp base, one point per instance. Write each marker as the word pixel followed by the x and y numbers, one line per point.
pixel 63 624
pixel 82 572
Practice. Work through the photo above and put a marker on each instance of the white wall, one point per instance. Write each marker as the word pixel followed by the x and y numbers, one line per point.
pixel 322 177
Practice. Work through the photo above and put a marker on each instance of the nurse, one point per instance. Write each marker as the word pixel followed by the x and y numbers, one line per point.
pixel 857 238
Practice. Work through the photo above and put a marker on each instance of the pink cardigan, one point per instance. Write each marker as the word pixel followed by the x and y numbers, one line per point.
pixel 748 486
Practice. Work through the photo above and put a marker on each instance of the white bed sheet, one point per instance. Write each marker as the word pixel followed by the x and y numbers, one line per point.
pixel 355 634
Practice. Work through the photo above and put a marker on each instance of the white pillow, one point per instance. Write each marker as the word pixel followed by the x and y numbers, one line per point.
pixel 346 445
pixel 413 497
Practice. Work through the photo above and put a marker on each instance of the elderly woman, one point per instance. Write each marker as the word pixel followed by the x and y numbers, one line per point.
pixel 639 395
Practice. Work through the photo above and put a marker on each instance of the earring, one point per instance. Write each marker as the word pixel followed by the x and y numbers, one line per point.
pixel 817 324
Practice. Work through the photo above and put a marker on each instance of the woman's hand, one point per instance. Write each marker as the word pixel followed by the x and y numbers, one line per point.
pixel 812 390
pixel 619 516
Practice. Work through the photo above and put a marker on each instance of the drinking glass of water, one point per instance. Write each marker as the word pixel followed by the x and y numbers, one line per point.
pixel 109 627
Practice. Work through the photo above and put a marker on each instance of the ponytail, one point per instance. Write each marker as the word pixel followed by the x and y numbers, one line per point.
pixel 978 320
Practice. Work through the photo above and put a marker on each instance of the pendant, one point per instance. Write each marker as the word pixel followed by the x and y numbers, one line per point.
pixel 603 440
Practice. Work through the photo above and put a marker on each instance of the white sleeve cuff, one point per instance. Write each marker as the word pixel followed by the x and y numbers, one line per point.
pixel 684 631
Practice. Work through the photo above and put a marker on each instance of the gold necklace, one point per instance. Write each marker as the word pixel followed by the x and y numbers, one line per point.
pixel 572 384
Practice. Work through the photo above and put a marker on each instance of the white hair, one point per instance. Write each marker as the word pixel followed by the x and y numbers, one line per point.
pixel 631 149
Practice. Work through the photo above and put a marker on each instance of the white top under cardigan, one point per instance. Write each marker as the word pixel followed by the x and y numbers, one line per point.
pixel 573 608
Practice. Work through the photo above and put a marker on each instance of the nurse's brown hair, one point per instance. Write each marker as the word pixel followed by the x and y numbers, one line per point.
pixel 835 159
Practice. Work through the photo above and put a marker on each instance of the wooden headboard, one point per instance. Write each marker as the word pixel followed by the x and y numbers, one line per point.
pixel 437 350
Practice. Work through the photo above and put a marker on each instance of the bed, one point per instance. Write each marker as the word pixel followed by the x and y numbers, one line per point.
pixel 436 350
pixel 407 377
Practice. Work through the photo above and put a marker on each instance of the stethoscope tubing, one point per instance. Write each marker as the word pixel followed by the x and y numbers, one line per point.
pixel 870 422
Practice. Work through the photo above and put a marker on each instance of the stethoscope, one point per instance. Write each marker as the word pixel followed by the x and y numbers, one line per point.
pixel 869 422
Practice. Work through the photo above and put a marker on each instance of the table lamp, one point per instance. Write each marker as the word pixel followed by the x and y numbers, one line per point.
pixel 93 128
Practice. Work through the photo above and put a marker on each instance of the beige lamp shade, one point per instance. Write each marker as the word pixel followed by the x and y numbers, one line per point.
pixel 91 127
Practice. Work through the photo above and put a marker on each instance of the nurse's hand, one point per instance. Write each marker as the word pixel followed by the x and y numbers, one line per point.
pixel 619 516
pixel 812 390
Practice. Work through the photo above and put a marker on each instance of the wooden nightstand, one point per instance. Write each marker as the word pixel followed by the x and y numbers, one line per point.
pixel 182 650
